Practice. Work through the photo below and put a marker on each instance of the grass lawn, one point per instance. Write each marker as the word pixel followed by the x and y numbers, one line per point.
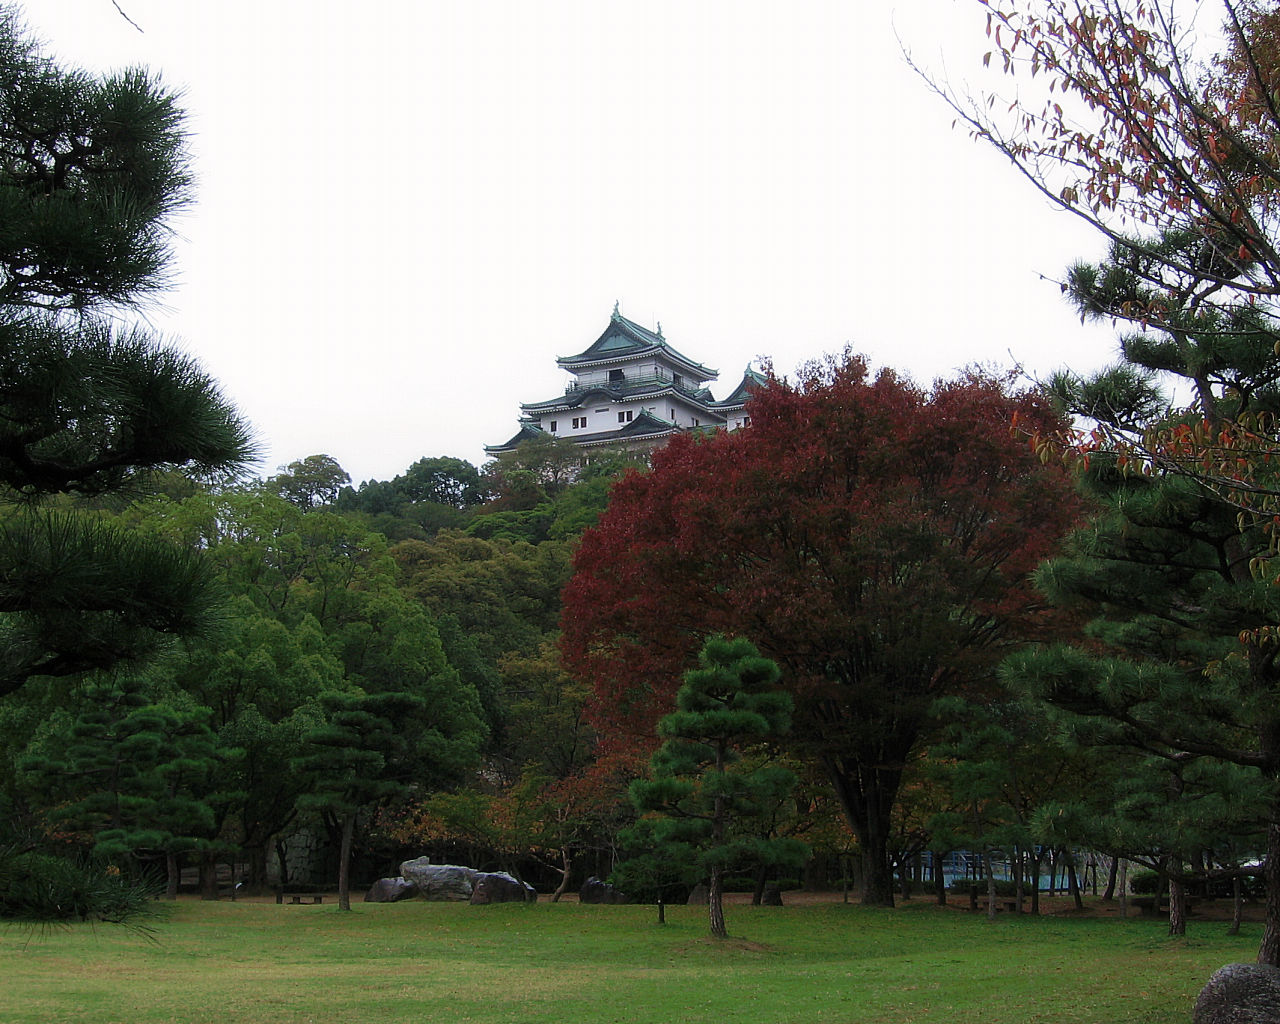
pixel 233 963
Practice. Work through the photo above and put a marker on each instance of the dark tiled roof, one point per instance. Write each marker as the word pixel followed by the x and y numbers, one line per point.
pixel 751 380
pixel 630 390
pixel 528 432
pixel 624 338
pixel 644 425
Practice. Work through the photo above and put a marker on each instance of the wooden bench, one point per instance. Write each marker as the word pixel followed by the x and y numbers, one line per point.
pixel 300 897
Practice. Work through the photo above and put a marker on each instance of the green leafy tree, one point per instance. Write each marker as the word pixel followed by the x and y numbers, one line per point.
pixel 729 703
pixel 320 618
pixel 311 482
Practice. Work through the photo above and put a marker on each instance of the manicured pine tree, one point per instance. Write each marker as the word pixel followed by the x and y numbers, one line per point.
pixel 697 787
pixel 352 764
pixel 130 773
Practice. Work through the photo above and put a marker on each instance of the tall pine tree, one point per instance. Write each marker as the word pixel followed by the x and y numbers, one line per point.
pixel 92 169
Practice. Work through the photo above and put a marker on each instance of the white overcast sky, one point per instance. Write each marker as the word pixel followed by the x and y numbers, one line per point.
pixel 407 210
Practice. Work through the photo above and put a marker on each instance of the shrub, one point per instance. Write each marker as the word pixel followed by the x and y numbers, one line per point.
pixel 43 887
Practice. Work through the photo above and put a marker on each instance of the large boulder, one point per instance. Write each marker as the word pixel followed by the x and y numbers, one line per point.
pixel 1240 994
pixel 390 890
pixel 449 882
pixel 500 887
pixel 595 891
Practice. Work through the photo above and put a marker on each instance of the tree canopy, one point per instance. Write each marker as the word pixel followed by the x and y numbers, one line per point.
pixel 1130 115
pixel 91 171
pixel 871 536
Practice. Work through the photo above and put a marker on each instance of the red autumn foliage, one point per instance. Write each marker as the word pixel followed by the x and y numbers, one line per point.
pixel 872 537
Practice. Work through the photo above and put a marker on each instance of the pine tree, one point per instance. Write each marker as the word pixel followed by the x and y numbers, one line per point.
pixel 727 704
pixel 129 772
pixel 92 169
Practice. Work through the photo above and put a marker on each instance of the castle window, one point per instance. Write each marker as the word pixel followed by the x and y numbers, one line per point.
pixel 625 417
pixel 553 426
pixel 579 422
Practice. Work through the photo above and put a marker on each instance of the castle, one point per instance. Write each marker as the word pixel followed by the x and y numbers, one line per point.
pixel 631 390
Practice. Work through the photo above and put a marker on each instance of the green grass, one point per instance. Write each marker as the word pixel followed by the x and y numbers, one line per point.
pixel 232 963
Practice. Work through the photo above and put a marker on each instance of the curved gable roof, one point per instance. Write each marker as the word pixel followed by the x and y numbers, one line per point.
pixel 625 339
pixel 751 382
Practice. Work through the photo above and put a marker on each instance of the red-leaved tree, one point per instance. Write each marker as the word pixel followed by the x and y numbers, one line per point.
pixel 872 537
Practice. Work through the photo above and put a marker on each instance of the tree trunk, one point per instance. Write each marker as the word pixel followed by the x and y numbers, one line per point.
pixel 1269 950
pixel 1237 905
pixel 171 876
pixel 904 878
pixel 208 876
pixel 1037 856
pixel 866 797
pixel 939 879
pixel 257 854
pixel 719 824
pixel 1110 892
pixel 877 877
pixel 344 862
pixel 762 879
pixel 566 861
pixel 1177 907
pixel 284 864
pixel 1073 883
pixel 1124 887
pixel 991 890
pixel 715 903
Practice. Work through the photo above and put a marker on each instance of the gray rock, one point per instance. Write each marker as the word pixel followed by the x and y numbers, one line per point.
pixel 449 882
pixel 1240 994
pixel 595 891
pixel 500 887
pixel 390 890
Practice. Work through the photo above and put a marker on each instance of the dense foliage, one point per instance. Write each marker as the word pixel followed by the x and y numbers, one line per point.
pixel 872 537
pixel 91 170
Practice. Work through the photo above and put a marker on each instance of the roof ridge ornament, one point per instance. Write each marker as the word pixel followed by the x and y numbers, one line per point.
pixel 660 337
pixel 616 315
